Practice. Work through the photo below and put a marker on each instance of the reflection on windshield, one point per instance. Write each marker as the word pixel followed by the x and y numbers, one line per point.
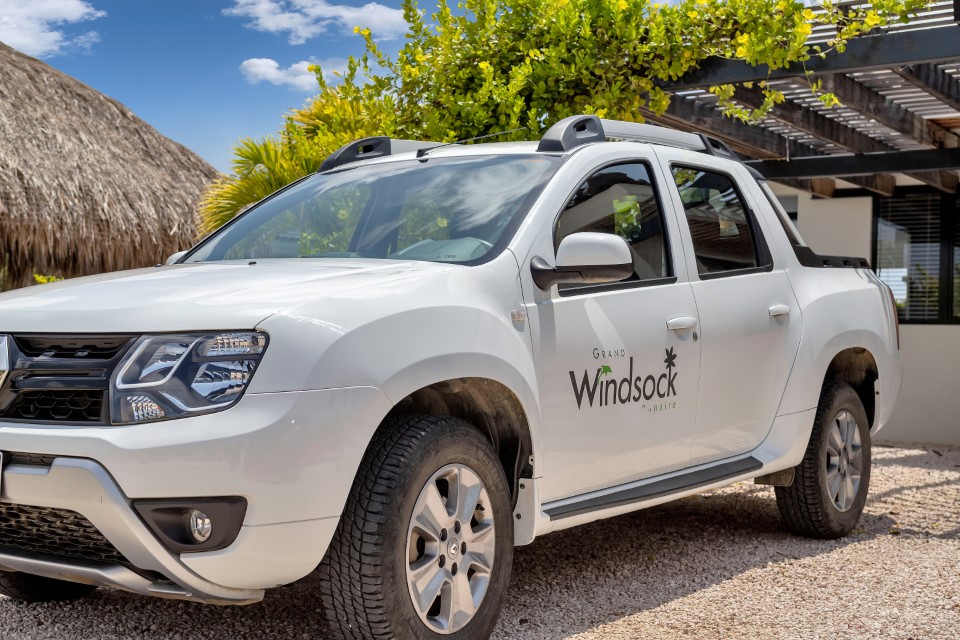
pixel 441 209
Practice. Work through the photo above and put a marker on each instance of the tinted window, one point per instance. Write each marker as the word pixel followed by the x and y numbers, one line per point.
pixel 621 200
pixel 718 220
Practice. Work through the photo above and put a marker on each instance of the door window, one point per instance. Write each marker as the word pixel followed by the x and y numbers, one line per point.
pixel 621 200
pixel 720 226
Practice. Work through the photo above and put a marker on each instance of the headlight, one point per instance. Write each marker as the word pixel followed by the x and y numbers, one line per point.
pixel 173 376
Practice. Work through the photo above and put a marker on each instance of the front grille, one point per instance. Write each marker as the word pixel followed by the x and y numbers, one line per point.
pixel 92 347
pixel 61 378
pixel 54 532
pixel 57 406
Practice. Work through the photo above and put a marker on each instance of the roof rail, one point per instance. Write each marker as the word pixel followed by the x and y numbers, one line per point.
pixel 363 149
pixel 717 147
pixel 572 132
pixel 370 148
pixel 578 130
pixel 653 134
pixel 565 135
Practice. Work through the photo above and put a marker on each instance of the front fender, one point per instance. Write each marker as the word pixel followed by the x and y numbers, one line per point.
pixel 457 325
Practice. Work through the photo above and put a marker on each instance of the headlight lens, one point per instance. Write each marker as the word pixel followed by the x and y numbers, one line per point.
pixel 173 376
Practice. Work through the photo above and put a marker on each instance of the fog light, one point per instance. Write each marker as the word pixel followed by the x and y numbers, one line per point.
pixel 192 525
pixel 200 526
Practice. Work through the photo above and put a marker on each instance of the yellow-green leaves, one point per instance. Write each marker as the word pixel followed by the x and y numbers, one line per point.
pixel 484 66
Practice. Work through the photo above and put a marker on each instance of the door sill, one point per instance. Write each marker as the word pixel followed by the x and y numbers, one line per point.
pixel 632 493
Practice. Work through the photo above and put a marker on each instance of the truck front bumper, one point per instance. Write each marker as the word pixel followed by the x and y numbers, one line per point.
pixel 292 456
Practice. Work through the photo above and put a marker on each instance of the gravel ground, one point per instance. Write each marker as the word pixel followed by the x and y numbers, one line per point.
pixel 712 566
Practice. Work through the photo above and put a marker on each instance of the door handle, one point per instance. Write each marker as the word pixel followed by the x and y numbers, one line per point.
pixel 682 323
pixel 778 310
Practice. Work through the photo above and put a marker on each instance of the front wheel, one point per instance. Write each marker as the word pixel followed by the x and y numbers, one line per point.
pixel 425 544
pixel 830 488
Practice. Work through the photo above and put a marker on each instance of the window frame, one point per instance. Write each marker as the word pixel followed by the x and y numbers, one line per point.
pixel 625 284
pixel 760 247
pixel 949 225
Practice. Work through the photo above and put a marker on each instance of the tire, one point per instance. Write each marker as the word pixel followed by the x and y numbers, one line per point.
pixel 29 588
pixel 365 581
pixel 809 507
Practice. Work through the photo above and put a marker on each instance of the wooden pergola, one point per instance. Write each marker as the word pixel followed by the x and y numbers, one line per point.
pixel 899 124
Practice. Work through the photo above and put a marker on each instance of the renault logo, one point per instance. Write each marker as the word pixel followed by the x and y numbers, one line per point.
pixel 4 358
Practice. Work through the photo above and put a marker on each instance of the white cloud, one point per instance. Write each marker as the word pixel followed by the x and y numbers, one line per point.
pixel 35 26
pixel 297 76
pixel 301 20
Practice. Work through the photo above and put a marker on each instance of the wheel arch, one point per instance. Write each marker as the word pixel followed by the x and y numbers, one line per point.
pixel 858 357
pixel 491 407
pixel 856 366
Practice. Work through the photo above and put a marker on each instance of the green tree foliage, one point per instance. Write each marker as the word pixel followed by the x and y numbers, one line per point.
pixel 493 65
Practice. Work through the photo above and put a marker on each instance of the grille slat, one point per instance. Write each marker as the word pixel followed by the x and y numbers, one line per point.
pixel 57 406
pixel 92 347
pixel 54 532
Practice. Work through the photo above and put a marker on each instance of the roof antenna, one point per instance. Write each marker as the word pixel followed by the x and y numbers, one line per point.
pixel 422 152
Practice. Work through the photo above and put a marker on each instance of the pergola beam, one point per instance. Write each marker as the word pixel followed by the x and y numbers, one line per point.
pixel 868 102
pixel 813 123
pixel 859 165
pixel 881 51
pixel 817 187
pixel 824 128
pixel 944 180
pixel 753 142
pixel 934 81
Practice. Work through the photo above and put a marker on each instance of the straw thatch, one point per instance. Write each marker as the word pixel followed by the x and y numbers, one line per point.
pixel 85 186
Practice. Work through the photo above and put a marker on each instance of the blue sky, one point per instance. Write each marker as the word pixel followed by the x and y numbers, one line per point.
pixel 203 72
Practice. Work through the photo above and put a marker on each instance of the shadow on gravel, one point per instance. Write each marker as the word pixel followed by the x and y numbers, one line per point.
pixel 607 570
pixel 584 577
pixel 917 456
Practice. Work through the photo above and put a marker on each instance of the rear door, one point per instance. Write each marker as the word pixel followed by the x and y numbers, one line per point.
pixel 750 323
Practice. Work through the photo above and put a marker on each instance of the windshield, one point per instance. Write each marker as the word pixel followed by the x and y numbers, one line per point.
pixel 438 209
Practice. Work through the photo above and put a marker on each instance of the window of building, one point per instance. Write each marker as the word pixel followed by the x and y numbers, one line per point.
pixel 723 239
pixel 918 254
pixel 621 199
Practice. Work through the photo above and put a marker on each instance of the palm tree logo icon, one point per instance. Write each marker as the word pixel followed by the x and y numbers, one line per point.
pixel 671 359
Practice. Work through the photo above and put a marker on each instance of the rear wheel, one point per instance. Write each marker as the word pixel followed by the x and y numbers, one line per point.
pixel 425 544
pixel 30 588
pixel 830 488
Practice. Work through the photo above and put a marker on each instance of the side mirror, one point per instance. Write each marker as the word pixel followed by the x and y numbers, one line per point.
pixel 179 254
pixel 585 258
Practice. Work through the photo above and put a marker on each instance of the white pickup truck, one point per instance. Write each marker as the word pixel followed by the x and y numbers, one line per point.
pixel 386 375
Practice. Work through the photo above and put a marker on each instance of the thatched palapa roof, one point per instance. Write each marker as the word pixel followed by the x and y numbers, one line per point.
pixel 85 185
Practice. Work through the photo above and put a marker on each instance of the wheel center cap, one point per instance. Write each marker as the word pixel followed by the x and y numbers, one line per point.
pixel 844 460
pixel 453 549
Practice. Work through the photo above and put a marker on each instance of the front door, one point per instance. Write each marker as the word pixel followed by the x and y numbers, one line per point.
pixel 618 388
pixel 750 322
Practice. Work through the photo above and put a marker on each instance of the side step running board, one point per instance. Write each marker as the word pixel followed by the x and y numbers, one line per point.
pixel 655 489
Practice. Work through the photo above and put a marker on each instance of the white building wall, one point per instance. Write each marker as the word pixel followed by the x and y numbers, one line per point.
pixel 929 409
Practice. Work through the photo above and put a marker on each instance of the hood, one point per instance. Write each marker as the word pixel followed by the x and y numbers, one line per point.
pixel 195 297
